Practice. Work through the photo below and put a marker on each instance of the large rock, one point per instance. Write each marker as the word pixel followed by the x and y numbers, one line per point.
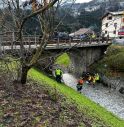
pixel 121 90
pixel 114 83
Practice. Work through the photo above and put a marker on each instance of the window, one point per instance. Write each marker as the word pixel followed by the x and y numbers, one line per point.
pixel 105 32
pixel 109 17
pixel 106 24
pixel 114 32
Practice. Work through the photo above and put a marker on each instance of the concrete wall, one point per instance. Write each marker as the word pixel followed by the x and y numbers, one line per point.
pixel 83 58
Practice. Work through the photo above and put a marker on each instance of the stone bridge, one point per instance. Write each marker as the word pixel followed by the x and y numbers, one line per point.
pixel 83 53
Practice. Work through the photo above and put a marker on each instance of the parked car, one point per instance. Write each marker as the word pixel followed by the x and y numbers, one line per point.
pixel 82 37
pixel 118 41
pixel 60 36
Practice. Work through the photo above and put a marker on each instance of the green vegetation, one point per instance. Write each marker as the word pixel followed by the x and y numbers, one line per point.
pixel 9 66
pixel 9 63
pixel 63 60
pixel 115 57
pixel 91 110
pixel 101 67
pixel 113 60
pixel 114 49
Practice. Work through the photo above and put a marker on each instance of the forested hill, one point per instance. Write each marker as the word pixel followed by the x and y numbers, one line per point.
pixel 87 14
pixel 74 16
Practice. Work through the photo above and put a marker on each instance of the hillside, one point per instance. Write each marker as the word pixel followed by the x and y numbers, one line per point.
pixel 34 106
pixel 43 102
pixel 96 115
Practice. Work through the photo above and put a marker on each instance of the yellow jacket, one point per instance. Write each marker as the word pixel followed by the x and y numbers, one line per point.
pixel 97 77
pixel 58 72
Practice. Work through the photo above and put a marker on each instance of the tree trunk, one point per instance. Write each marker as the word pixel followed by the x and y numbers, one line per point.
pixel 25 70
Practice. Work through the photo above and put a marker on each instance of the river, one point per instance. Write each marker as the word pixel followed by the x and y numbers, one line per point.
pixel 106 97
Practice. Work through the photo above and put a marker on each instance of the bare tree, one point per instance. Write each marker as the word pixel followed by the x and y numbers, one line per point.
pixel 45 11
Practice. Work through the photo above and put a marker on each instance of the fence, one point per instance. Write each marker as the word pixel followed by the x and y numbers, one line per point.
pixel 8 41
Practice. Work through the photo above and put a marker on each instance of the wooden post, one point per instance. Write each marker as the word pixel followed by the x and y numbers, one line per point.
pixel 3 42
pixel 13 39
pixel 99 40
pixel 35 40
pixel 58 42
pixel 29 43
pixel 107 39
pixel 0 44
pixel 70 42
pixel 80 42
pixel 3 46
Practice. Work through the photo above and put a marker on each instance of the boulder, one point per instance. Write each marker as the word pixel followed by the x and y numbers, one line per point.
pixel 121 90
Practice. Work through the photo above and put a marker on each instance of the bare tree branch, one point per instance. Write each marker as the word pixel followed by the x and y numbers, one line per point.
pixel 46 7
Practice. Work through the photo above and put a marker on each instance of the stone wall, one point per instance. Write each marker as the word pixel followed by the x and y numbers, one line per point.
pixel 83 58
pixel 114 83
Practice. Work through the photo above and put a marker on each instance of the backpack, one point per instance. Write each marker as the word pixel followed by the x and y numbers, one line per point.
pixel 80 82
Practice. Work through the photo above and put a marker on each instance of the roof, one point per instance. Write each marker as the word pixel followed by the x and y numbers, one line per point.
pixel 81 31
pixel 114 13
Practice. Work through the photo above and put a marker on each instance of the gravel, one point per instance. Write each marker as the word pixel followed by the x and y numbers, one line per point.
pixel 106 97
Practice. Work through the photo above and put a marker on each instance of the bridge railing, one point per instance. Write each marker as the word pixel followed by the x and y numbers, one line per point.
pixel 10 40
pixel 26 39
pixel 88 41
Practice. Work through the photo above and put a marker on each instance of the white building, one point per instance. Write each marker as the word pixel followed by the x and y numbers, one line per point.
pixel 80 32
pixel 113 23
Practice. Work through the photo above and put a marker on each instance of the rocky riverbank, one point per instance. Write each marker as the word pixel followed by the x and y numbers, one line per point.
pixel 104 96
pixel 116 83
pixel 111 68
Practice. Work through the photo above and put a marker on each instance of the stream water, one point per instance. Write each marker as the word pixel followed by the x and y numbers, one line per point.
pixel 110 99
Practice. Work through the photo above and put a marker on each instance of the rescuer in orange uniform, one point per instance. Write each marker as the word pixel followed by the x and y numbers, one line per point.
pixel 80 84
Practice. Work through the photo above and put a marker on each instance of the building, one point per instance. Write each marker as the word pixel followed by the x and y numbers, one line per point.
pixel 113 24
pixel 121 4
pixel 80 32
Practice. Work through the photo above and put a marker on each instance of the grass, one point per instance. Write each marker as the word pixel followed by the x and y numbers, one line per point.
pixel 114 49
pixel 9 63
pixel 115 57
pixel 63 60
pixel 115 61
pixel 89 108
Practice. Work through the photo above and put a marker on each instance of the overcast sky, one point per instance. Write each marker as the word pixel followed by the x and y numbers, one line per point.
pixel 82 1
